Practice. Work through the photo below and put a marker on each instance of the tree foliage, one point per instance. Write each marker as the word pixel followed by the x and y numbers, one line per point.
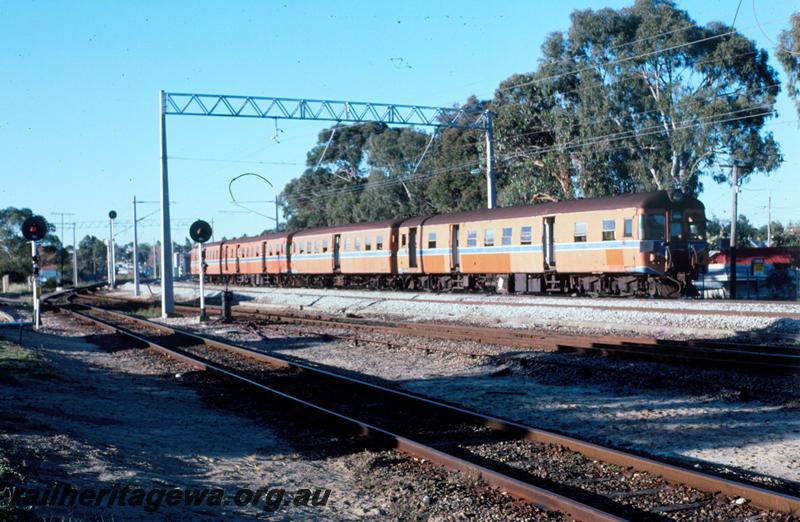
pixel 370 172
pixel 633 99
pixel 788 54
pixel 610 111
pixel 92 255
pixel 15 251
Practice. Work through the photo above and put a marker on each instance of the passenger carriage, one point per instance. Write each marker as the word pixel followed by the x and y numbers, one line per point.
pixel 257 260
pixel 650 243
pixel 363 253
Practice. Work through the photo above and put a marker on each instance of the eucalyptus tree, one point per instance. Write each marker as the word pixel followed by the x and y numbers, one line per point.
pixel 788 52
pixel 638 98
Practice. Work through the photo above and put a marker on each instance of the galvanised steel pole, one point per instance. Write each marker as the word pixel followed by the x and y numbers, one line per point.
pixel 36 317
pixel 734 218
pixel 74 257
pixel 202 268
pixel 491 194
pixel 167 295
pixel 108 253
pixel 135 251
pixel 113 258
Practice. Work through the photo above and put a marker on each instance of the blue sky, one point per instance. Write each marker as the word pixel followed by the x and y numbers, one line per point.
pixel 80 84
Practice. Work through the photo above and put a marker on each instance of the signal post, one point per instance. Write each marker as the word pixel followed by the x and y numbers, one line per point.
pixel 33 229
pixel 200 232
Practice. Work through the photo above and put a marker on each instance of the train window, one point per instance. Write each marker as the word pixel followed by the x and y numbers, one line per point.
pixel 525 235
pixel 580 232
pixel 697 226
pixel 472 238
pixel 308 247
pixel 317 248
pixel 368 243
pixel 357 244
pixel 347 243
pixel 324 245
pixel 378 242
pixel 675 230
pixel 506 239
pixel 676 225
pixel 627 228
pixel 402 240
pixel 431 239
pixel 609 229
pixel 652 227
pixel 488 237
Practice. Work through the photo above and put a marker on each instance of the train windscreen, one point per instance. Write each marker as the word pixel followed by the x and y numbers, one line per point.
pixel 652 227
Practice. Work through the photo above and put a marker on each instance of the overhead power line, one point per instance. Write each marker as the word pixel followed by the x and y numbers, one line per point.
pixel 623 60
pixel 565 146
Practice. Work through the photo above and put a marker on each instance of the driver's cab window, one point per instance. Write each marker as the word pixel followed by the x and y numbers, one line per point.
pixel 676 225
pixel 652 226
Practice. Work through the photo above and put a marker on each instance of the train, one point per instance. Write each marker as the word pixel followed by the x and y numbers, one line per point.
pixel 641 244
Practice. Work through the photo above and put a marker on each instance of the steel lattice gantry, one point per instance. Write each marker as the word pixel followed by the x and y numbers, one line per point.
pixel 221 105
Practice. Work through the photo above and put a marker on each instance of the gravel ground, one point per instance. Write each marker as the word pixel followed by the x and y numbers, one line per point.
pixel 130 416
pixel 748 423
pixel 574 315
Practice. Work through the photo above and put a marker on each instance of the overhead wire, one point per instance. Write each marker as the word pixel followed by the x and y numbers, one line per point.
pixel 388 182
pixel 624 59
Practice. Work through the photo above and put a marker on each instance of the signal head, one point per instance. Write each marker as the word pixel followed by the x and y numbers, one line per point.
pixel 112 214
pixel 34 228
pixel 200 231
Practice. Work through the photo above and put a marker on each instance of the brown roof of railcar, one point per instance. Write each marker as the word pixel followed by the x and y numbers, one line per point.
pixel 261 237
pixel 644 200
pixel 386 223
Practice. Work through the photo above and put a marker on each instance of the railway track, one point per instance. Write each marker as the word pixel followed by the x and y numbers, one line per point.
pixel 570 302
pixel 583 480
pixel 709 353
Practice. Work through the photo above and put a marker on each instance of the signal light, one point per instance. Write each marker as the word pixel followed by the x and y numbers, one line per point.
pixel 34 228
pixel 200 231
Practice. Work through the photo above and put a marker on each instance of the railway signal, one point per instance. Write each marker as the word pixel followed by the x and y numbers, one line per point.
pixel 112 267
pixel 200 232
pixel 34 229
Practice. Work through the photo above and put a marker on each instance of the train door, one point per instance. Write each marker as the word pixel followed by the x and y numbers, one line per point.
pixel 225 254
pixel 237 259
pixel 412 247
pixel 454 258
pixel 548 243
pixel 337 239
pixel 264 257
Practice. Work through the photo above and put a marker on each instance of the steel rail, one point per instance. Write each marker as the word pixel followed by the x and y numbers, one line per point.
pixel 520 489
pixel 740 356
pixel 759 496
pixel 575 302
pixel 745 356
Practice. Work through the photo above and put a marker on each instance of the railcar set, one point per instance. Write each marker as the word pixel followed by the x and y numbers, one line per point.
pixel 645 244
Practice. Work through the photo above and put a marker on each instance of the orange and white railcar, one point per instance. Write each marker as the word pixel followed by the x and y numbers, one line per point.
pixel 348 254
